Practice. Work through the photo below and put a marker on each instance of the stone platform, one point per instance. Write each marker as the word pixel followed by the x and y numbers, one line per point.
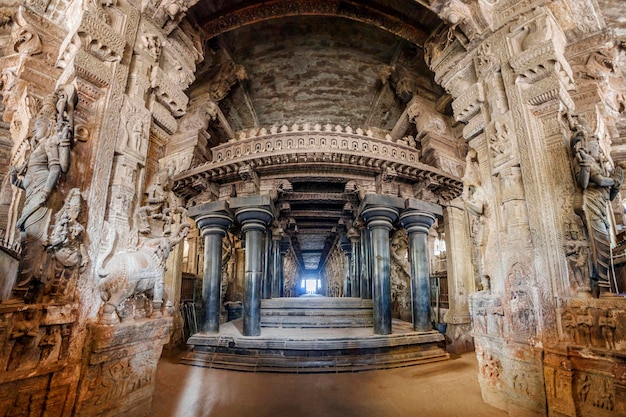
pixel 316 312
pixel 314 350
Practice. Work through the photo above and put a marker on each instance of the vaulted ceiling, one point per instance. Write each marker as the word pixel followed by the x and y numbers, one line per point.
pixel 347 63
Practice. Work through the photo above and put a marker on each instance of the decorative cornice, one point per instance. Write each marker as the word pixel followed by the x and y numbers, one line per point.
pixel 340 148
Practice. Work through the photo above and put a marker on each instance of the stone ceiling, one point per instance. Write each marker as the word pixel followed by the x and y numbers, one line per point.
pixel 321 62
pixel 318 62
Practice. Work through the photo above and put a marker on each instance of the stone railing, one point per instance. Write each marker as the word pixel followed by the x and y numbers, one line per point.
pixel 355 151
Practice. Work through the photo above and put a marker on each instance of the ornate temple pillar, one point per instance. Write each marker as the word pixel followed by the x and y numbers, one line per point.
pixel 346 248
pixel 461 281
pixel 213 219
pixel 355 277
pixel 285 245
pixel 417 219
pixel 254 213
pixel 379 212
pixel 280 247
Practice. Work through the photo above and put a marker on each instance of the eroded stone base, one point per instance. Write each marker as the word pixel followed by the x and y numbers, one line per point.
pixel 120 367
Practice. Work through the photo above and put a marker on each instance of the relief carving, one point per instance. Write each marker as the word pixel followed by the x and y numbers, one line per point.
pixel 600 184
pixel 162 205
pixel 577 253
pixel 49 157
pixel 137 271
pixel 400 275
pixel 523 321
pixel 68 255
pixel 474 199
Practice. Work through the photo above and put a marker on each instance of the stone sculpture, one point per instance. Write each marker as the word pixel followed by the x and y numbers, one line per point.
pixel 137 271
pixel 600 184
pixel 53 135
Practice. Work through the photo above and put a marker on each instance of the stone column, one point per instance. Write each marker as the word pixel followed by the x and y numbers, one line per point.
pixel 267 265
pixel 461 281
pixel 280 246
pixel 254 213
pixel 366 267
pixel 355 276
pixel 284 248
pixel 417 220
pixel 346 248
pixel 379 212
pixel 213 219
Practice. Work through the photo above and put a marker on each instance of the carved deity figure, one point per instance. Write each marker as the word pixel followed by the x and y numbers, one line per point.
pixel 68 254
pixel 400 274
pixel 474 199
pixel 50 144
pixel 600 184
pixel 161 203
pixel 577 252
pixel 608 324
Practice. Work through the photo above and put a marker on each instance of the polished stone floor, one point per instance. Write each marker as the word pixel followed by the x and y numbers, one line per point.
pixel 441 389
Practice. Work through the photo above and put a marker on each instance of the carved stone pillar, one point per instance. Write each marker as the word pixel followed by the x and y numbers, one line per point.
pixel 355 277
pixel 278 284
pixel 346 248
pixel 460 276
pixel 417 220
pixel 285 245
pixel 379 212
pixel 213 219
pixel 366 269
pixel 254 214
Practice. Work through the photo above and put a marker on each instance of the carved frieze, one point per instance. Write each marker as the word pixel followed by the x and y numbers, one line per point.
pixel 467 105
pixel 167 94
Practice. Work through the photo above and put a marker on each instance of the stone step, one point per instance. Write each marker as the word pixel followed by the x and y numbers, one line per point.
pixel 317 312
pixel 316 302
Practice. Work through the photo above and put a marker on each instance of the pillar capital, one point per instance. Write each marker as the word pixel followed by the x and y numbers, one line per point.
pixel 212 218
pixel 255 212
pixel 419 215
pixel 380 210
pixel 417 221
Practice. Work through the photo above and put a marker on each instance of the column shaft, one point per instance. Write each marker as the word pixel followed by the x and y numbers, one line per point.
pixel 267 265
pixel 366 270
pixel 213 219
pixel 417 225
pixel 212 282
pixel 277 262
pixel 253 278
pixel 379 221
pixel 254 220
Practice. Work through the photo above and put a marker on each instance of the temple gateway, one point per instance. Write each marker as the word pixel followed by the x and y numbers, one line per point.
pixel 312 186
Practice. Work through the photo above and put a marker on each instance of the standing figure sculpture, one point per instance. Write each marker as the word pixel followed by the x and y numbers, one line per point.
pixel 50 145
pixel 474 200
pixel 600 184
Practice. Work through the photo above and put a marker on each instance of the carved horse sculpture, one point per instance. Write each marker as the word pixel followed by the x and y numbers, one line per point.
pixel 137 271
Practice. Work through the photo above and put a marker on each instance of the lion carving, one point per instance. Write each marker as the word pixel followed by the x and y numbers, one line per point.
pixel 136 271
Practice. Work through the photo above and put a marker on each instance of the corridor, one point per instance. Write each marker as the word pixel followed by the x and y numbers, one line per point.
pixel 441 389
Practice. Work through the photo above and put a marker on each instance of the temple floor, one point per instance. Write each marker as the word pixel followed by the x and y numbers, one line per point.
pixel 440 389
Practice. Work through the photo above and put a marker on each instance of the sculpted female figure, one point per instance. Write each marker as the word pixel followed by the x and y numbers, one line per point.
pixel 49 156
pixel 600 185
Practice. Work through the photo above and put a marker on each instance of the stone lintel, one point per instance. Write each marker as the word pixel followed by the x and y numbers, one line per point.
pixel 378 200
pixel 263 201
pixel 424 206
pixel 207 208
